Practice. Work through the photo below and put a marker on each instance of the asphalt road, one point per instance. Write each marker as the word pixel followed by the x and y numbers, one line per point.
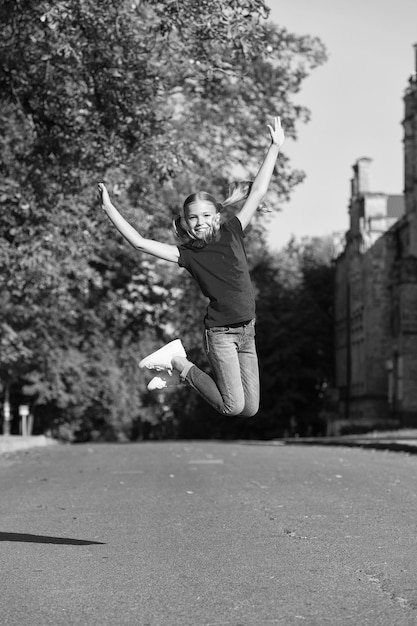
pixel 208 534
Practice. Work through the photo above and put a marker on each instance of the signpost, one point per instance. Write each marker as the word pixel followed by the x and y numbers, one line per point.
pixel 27 420
pixel 6 415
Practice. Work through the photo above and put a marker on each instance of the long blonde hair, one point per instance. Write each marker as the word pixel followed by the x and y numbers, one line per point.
pixel 238 192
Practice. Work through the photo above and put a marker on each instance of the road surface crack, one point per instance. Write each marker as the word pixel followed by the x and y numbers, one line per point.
pixel 384 586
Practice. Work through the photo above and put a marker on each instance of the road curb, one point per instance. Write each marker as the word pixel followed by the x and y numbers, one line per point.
pixel 394 445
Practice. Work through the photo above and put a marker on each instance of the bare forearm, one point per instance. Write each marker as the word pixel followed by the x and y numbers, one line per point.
pixel 155 248
pixel 260 186
pixel 123 226
pixel 264 175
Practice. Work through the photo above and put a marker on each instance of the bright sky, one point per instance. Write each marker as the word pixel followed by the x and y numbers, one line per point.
pixel 356 106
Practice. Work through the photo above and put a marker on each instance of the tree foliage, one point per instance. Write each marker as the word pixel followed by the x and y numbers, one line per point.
pixel 295 336
pixel 160 98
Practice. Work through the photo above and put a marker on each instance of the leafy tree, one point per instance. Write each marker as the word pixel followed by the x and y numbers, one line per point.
pixel 160 98
pixel 295 336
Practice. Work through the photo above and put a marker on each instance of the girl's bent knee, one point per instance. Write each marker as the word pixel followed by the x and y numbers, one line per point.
pixel 250 413
pixel 232 411
pixel 250 410
pixel 239 408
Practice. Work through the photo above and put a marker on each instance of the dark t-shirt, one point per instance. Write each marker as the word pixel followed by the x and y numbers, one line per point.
pixel 221 271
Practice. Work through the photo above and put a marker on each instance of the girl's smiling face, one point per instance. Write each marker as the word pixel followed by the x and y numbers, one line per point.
pixel 200 217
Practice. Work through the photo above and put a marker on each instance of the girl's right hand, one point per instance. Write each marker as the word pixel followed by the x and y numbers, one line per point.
pixel 103 196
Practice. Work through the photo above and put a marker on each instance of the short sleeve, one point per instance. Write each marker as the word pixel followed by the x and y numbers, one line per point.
pixel 183 260
pixel 235 225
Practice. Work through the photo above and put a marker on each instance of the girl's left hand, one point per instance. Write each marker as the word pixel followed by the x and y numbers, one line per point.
pixel 277 132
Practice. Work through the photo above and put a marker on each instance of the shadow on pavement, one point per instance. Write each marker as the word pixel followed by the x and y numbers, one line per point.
pixel 24 537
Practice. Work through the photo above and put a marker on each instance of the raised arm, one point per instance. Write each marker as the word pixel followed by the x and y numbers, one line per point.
pixel 264 175
pixel 155 248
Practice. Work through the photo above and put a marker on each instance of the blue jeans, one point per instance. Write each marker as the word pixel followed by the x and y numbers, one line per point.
pixel 234 387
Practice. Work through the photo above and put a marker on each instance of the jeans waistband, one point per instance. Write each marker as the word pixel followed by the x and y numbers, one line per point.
pixel 234 325
pixel 237 324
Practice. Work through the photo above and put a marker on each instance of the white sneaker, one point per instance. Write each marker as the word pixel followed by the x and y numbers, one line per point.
pixel 161 359
pixel 166 379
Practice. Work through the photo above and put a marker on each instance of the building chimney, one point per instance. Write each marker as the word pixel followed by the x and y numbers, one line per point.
pixel 361 172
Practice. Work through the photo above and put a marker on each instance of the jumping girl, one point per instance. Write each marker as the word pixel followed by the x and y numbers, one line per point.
pixel 214 254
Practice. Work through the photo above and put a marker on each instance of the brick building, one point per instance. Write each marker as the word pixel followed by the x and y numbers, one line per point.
pixel 376 297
